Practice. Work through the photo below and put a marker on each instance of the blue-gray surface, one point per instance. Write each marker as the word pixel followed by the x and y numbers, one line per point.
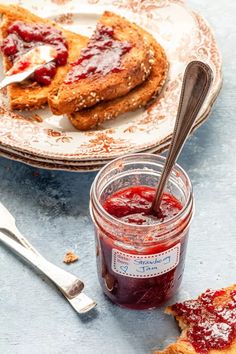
pixel 51 208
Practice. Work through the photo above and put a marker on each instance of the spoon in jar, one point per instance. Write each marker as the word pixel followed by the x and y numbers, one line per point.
pixel 197 80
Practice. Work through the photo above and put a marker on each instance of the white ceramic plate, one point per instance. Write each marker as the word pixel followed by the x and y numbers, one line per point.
pixel 71 166
pixel 184 40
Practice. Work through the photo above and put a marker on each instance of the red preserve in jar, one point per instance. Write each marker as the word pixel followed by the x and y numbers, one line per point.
pixel 140 256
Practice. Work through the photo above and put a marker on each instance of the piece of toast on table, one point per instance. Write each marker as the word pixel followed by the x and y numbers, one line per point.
pixel 116 59
pixel 91 117
pixel 31 95
pixel 208 324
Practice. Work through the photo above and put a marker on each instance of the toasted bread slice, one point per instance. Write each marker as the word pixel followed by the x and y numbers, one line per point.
pixel 32 96
pixel 122 60
pixel 138 97
pixel 203 332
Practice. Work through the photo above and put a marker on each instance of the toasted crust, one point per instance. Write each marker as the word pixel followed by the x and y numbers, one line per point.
pixel 35 96
pixel 136 66
pixel 138 97
pixel 183 346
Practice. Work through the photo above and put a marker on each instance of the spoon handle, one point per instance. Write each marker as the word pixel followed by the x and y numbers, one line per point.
pixel 197 79
pixel 68 284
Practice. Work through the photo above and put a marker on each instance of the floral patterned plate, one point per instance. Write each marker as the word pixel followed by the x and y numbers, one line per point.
pixel 49 138
pixel 48 166
pixel 66 165
pixel 71 166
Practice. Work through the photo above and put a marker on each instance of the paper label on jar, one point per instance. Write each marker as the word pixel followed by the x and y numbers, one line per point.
pixel 145 266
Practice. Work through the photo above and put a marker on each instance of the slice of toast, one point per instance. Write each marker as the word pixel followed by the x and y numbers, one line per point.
pixel 138 97
pixel 32 95
pixel 116 59
pixel 208 324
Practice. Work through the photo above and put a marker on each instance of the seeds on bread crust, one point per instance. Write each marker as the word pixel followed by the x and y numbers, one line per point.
pixel 134 68
pixel 140 96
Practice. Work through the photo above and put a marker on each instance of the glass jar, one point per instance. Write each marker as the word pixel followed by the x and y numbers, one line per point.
pixel 140 266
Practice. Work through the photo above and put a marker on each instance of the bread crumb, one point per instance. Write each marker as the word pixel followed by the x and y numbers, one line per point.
pixel 70 257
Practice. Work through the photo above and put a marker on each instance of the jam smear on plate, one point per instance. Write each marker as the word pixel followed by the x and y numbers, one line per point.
pixel 133 206
pixel 23 37
pixel 212 323
pixel 101 56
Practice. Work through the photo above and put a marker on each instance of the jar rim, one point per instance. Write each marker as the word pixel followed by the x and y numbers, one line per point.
pixel 163 224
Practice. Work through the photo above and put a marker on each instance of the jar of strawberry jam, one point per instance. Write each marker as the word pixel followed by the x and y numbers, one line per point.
pixel 140 255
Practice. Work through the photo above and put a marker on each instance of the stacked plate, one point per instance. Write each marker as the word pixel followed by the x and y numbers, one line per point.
pixel 43 140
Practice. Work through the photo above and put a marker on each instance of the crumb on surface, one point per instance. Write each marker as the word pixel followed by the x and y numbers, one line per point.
pixel 70 257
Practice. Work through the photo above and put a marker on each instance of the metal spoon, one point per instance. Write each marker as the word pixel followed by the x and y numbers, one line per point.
pixel 70 286
pixel 196 83
pixel 34 59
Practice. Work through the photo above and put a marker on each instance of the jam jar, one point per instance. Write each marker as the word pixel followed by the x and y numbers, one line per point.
pixel 140 255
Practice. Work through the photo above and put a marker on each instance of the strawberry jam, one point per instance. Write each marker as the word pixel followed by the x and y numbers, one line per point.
pixel 140 255
pixel 212 323
pixel 133 205
pixel 134 272
pixel 23 37
pixel 102 55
